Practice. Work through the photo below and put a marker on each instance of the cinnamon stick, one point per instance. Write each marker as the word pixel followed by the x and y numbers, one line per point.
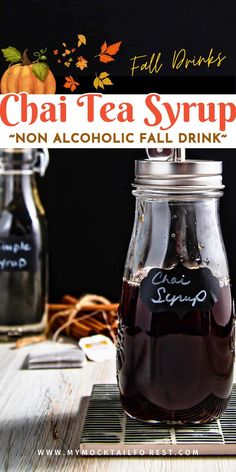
pixel 92 307
pixel 69 299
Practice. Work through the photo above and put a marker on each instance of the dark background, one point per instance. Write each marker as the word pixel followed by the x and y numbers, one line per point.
pixel 143 27
pixel 90 210
pixel 87 193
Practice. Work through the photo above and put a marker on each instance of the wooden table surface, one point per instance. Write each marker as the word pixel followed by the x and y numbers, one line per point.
pixel 42 409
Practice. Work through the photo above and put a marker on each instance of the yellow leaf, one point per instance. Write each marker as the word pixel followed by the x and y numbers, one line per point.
pixel 64 44
pixel 82 39
pixel 100 83
pixel 96 83
pixel 107 81
pixel 103 75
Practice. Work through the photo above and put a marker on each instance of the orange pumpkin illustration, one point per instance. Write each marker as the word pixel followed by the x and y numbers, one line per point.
pixel 28 77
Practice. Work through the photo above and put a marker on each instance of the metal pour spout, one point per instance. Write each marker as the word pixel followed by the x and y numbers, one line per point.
pixel 173 154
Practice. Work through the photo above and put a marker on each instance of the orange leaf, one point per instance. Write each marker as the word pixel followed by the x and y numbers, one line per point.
pixel 70 83
pixel 82 63
pixel 113 48
pixel 104 47
pixel 55 52
pixel 106 58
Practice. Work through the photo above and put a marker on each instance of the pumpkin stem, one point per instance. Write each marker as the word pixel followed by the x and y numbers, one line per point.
pixel 26 61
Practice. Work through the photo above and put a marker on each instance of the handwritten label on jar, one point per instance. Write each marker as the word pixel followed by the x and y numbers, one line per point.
pixel 17 254
pixel 179 290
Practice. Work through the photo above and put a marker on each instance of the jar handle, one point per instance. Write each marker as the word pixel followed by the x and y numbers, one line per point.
pixel 42 157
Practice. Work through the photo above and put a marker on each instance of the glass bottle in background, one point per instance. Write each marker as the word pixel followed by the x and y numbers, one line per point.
pixel 175 352
pixel 23 243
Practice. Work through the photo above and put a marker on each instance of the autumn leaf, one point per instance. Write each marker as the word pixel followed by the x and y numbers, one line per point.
pixel 66 53
pixel 113 49
pixel 82 40
pixel 107 81
pixel 103 75
pixel 82 63
pixel 103 47
pixel 108 51
pixel 55 52
pixel 98 83
pixel 71 83
pixel 67 64
pixel 105 58
pixel 102 80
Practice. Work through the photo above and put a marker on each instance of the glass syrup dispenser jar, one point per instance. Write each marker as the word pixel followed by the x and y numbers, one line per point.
pixel 175 350
pixel 23 243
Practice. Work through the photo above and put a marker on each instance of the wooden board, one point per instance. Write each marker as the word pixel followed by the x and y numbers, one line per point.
pixel 43 410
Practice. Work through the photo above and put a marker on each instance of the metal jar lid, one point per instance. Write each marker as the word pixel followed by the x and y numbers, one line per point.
pixel 186 175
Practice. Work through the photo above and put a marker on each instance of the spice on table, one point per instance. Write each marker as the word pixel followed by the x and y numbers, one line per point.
pixel 77 318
